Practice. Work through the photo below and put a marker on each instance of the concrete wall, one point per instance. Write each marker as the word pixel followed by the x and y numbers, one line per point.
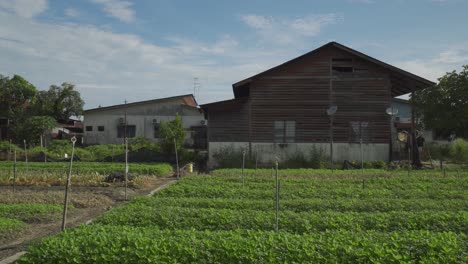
pixel 141 116
pixel 267 152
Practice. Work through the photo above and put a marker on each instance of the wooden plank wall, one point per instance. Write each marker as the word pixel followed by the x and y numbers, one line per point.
pixel 228 122
pixel 302 90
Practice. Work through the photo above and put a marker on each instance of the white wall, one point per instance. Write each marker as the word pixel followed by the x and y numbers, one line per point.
pixel 141 116
pixel 267 152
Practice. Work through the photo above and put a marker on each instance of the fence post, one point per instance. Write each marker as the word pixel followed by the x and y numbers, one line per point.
pixel 67 186
pixel 14 172
pixel 243 165
pixel 277 194
pixel 126 168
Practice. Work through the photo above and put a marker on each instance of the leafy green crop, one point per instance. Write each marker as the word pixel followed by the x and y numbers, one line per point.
pixel 30 212
pixel 8 226
pixel 107 244
pixel 161 169
pixel 380 217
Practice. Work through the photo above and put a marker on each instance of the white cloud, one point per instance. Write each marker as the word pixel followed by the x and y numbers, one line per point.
pixel 433 68
pixel 24 8
pixel 285 31
pixel 257 22
pixel 119 9
pixel 108 67
pixel 362 1
pixel 72 12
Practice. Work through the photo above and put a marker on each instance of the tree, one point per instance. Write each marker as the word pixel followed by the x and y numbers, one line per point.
pixel 16 95
pixel 170 130
pixel 59 102
pixel 33 128
pixel 445 106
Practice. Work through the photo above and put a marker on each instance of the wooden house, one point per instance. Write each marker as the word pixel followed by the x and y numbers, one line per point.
pixel 282 111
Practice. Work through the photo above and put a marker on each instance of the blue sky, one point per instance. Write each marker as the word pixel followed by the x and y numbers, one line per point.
pixel 138 50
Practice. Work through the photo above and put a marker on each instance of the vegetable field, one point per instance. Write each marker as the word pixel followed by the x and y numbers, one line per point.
pixel 31 200
pixel 323 218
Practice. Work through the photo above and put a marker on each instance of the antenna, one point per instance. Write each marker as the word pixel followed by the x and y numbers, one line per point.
pixel 196 87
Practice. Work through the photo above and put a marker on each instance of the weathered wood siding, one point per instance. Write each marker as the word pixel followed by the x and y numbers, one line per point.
pixel 301 91
pixel 228 122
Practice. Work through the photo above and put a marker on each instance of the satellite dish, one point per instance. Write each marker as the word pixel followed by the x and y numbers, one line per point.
pixel 391 111
pixel 332 109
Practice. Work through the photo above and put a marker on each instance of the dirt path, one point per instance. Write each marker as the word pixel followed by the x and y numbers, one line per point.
pixel 77 216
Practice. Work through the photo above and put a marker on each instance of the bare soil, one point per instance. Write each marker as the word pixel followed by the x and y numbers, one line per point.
pixel 88 203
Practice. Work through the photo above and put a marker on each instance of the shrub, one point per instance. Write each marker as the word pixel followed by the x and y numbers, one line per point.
pixel 459 150
pixel 100 152
pixel 438 151
pixel 231 157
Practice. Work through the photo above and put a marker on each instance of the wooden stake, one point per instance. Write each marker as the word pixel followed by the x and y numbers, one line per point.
pixel 67 186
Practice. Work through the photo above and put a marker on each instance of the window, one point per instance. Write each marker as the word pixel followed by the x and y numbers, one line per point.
pixel 156 131
pixel 358 130
pixel 100 128
pixel 89 128
pixel 342 69
pixel 131 131
pixel 285 131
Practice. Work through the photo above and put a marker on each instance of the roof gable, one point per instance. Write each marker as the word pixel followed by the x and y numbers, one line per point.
pixel 187 99
pixel 402 81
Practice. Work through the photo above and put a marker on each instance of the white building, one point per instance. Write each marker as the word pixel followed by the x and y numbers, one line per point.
pixel 105 125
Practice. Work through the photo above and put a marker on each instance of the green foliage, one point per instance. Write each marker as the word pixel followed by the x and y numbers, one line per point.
pixel 459 150
pixel 437 151
pixel 231 157
pixel 169 131
pixel 30 212
pixel 5 146
pixel 8 226
pixel 59 168
pixel 15 95
pixel 59 102
pixel 142 142
pixel 32 128
pixel 100 152
pixel 108 244
pixel 445 105
pixel 378 217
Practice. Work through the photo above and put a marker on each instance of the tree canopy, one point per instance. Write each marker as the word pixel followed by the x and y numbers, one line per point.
pixel 170 130
pixel 59 102
pixel 445 106
pixel 16 95
pixel 30 112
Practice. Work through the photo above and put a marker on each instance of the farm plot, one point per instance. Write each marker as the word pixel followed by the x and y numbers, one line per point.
pixel 322 219
pixel 31 204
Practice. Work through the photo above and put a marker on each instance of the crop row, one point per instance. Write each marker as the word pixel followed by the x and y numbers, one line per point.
pixel 220 191
pixel 313 204
pixel 107 244
pixel 30 212
pixel 161 169
pixel 8 226
pixel 397 184
pixel 315 173
pixel 306 222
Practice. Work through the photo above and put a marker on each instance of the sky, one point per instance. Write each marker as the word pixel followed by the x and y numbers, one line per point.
pixel 117 50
